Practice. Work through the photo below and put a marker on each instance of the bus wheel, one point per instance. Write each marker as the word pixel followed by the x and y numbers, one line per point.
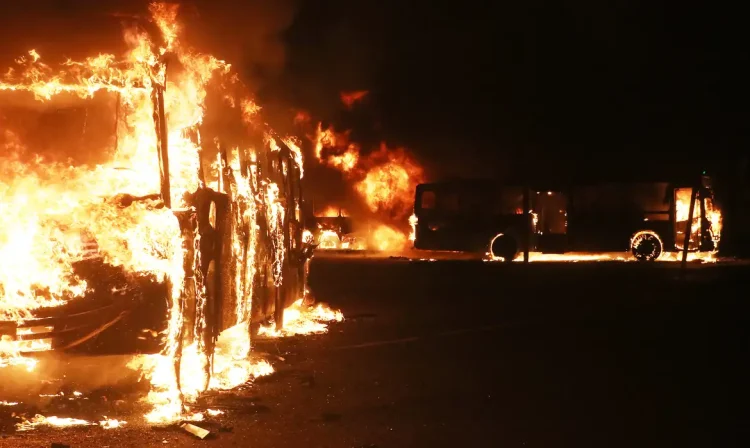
pixel 504 247
pixel 646 246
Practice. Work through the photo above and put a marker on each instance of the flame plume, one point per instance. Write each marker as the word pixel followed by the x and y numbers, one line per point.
pixel 385 181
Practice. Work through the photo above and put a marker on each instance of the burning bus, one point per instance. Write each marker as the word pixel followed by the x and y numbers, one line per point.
pixel 646 218
pixel 331 229
pixel 115 192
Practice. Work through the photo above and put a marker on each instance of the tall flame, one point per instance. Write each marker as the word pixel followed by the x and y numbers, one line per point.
pixel 385 181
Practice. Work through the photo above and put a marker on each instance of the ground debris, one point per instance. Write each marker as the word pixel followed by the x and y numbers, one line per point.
pixel 197 431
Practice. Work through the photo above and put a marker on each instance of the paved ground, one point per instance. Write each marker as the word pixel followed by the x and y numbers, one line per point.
pixel 466 353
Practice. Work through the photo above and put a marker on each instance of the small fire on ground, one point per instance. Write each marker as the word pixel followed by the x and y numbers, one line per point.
pixel 302 320
pixel 58 422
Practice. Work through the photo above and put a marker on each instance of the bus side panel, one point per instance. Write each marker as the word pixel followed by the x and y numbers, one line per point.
pixel 603 218
pixel 452 217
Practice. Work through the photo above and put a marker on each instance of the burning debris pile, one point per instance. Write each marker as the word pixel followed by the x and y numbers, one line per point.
pixel 170 209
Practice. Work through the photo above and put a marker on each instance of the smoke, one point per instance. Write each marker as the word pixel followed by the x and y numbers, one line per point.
pixel 248 34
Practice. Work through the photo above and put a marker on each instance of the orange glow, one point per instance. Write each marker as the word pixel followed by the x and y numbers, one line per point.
pixel 386 238
pixel 385 180
pixel 57 422
pixel 329 239
pixel 351 98
pixel 331 212
pixel 346 161
pixel 573 257
pixel 389 184
pixel 293 144
pixel 682 211
pixel 413 220
pixel 301 117
pixel 329 140
pixel 713 214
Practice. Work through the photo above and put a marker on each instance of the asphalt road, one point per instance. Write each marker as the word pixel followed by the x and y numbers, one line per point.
pixel 465 353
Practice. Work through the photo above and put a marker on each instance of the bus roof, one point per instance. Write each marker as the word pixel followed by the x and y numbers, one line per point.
pixel 561 182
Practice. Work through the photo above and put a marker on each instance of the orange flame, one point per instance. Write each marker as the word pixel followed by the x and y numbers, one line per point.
pixel 385 180
pixel 301 319
pixel 386 238
pixel 388 186
pixel 331 212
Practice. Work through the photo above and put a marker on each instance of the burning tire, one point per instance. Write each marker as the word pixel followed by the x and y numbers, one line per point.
pixel 504 247
pixel 646 246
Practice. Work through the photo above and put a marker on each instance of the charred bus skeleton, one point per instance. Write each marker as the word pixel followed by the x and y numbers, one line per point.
pixel 244 260
pixel 645 218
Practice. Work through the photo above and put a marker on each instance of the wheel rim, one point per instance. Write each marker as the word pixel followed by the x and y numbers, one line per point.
pixel 646 246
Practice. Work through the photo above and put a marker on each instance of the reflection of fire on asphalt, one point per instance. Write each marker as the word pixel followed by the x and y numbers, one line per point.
pixel 573 257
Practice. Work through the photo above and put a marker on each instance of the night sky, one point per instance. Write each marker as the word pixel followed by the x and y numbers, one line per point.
pixel 472 88
pixel 584 85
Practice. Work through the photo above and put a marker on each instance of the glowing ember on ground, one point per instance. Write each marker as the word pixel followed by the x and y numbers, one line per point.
pixel 108 423
pixel 59 422
pixel 301 319
pixel 56 422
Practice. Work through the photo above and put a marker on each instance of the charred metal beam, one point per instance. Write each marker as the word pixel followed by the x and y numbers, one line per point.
pixel 94 332
pixel 117 120
pixel 160 121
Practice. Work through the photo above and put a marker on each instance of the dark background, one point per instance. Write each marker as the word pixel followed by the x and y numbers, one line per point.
pixel 473 88
pixel 579 84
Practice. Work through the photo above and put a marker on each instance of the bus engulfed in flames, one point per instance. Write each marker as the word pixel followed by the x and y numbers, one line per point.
pixel 168 208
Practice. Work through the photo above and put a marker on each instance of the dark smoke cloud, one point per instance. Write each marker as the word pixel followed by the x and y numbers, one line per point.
pixel 247 34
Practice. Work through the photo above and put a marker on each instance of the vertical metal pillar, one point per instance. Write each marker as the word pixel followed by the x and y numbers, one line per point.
pixel 160 119
pixel 527 223
pixel 688 228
